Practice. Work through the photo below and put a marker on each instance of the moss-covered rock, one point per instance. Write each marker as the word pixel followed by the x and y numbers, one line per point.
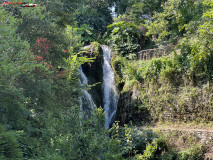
pixel 117 65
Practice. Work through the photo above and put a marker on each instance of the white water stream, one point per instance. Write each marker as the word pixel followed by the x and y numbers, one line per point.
pixel 110 93
pixel 86 99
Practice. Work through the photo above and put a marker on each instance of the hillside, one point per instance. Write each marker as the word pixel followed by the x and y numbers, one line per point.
pixel 106 80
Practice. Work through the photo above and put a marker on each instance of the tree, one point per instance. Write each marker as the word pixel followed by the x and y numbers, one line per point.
pixel 171 23
pixel 95 13
pixel 125 38
pixel 122 6
pixel 143 10
pixel 9 147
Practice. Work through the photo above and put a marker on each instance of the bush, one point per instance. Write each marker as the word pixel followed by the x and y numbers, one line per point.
pixel 122 37
pixel 193 153
pixel 141 138
pixel 154 150
pixel 170 155
pixel 9 148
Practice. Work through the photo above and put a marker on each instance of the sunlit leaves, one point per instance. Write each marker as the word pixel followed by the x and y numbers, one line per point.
pixel 121 35
pixel 171 23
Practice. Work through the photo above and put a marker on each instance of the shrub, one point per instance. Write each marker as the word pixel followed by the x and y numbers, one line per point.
pixel 193 153
pixel 122 37
pixel 141 138
pixel 9 148
pixel 154 149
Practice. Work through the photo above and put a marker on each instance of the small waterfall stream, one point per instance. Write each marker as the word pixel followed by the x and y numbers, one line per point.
pixel 110 93
pixel 86 101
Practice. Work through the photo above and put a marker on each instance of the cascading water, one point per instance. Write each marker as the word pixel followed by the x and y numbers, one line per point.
pixel 110 93
pixel 86 101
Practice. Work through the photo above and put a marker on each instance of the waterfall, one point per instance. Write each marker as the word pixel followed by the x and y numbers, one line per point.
pixel 86 101
pixel 110 93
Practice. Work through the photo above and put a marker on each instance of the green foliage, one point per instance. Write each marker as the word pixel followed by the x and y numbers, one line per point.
pixel 118 65
pixel 95 14
pixel 170 155
pixel 122 37
pixel 43 102
pixel 141 138
pixel 128 139
pixel 9 147
pixel 15 60
pixel 165 85
pixel 91 141
pixel 154 149
pixel 39 105
pixel 122 6
pixel 163 68
pixel 50 156
pixel 74 38
pixel 141 10
pixel 84 34
pixel 96 48
pixel 194 153
pixel 172 21
pixel 198 46
pixel 60 12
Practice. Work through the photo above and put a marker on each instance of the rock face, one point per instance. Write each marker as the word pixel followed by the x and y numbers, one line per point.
pixel 94 73
pixel 127 110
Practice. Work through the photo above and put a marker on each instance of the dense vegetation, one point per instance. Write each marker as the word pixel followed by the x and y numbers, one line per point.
pixel 179 84
pixel 40 52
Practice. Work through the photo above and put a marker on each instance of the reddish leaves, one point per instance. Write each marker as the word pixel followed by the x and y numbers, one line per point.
pixel 43 44
pixel 39 57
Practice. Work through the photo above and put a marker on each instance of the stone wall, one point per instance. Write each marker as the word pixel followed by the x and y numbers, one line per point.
pixel 156 52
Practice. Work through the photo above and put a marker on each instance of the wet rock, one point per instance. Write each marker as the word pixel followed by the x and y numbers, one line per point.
pixel 94 73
